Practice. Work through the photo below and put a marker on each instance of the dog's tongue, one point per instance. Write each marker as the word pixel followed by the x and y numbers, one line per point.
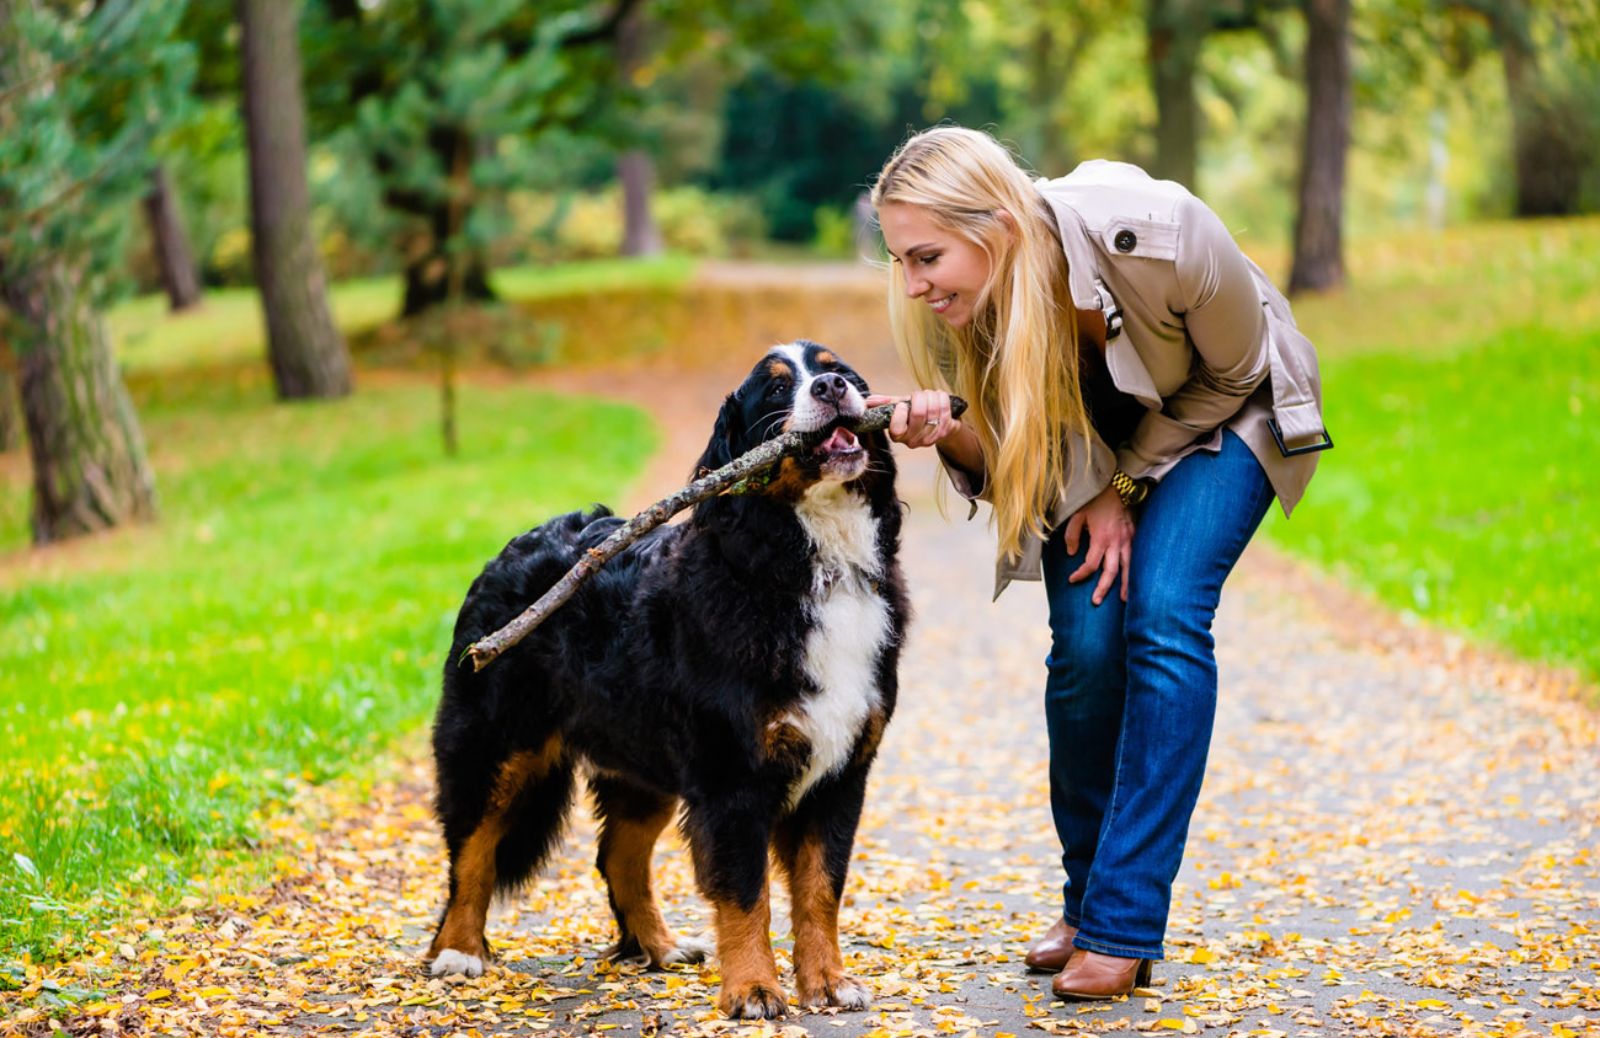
pixel 842 440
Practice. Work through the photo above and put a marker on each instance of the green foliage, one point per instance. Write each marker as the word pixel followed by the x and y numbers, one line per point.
pixel 588 225
pixel 85 91
pixel 286 620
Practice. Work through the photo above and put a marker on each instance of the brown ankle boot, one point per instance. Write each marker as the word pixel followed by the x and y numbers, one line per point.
pixel 1053 949
pixel 1092 977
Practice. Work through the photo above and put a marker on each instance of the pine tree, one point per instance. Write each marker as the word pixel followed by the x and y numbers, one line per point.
pixel 83 92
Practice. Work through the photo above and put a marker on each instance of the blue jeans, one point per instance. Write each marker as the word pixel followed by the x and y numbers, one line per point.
pixel 1131 695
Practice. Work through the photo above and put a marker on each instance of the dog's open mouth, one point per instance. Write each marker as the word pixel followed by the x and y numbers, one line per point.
pixel 841 443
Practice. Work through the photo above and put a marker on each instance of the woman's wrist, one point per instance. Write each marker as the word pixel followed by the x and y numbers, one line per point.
pixel 1131 491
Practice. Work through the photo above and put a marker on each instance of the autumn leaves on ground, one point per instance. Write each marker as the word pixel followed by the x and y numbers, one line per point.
pixel 217 820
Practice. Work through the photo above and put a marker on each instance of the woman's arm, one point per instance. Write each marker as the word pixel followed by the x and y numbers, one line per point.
pixel 1225 321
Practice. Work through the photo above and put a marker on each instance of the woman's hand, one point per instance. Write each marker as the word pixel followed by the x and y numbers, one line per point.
pixel 920 420
pixel 1110 542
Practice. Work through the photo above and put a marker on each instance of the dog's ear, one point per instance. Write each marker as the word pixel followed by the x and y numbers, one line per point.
pixel 725 437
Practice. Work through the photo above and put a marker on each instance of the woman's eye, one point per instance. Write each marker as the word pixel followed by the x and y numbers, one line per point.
pixel 926 259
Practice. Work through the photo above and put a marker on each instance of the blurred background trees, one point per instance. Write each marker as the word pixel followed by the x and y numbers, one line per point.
pixel 446 140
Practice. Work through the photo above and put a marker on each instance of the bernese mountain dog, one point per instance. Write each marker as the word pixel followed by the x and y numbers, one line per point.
pixel 736 669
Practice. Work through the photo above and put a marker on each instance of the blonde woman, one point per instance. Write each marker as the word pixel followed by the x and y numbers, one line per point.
pixel 1138 395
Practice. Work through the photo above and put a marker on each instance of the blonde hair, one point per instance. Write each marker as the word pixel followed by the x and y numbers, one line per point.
pixel 1016 360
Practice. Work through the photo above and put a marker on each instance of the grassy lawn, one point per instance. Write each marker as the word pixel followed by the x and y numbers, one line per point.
pixel 1462 378
pixel 163 687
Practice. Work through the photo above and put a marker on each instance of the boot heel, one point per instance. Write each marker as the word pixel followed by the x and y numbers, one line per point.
pixel 1142 978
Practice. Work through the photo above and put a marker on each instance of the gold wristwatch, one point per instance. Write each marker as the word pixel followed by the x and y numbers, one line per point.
pixel 1131 491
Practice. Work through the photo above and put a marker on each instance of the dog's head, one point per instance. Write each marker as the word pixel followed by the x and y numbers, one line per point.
pixel 797 387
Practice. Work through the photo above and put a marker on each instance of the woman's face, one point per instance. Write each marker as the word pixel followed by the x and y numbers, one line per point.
pixel 945 271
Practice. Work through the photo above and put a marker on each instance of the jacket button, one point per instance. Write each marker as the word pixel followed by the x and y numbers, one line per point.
pixel 1126 240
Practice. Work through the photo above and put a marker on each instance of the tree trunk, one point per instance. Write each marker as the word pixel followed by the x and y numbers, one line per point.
pixel 429 266
pixel 89 467
pixel 178 275
pixel 1174 31
pixel 637 171
pixel 1548 148
pixel 308 354
pixel 1319 225
pixel 635 168
pixel 10 415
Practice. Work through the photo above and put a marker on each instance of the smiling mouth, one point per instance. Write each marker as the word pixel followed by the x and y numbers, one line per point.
pixel 941 305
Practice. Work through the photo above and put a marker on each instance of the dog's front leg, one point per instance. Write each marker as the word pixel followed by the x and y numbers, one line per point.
pixel 729 842
pixel 814 848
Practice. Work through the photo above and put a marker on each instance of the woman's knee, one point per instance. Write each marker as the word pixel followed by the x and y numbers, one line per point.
pixel 1086 677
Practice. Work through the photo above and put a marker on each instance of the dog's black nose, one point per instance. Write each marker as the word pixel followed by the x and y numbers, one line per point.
pixel 830 388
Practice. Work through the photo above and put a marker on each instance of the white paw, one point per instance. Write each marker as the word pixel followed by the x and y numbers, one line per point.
pixel 451 961
pixel 851 994
pixel 844 993
pixel 690 950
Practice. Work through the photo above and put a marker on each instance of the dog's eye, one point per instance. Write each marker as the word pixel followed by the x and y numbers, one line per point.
pixel 778 389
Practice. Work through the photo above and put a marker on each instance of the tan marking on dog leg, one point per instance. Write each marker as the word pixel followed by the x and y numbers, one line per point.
pixel 472 868
pixel 626 866
pixel 818 966
pixel 750 989
pixel 871 736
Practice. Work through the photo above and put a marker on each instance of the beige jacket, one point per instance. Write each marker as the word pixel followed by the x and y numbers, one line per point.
pixel 1206 341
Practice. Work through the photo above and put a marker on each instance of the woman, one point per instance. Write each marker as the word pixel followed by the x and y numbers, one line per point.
pixel 1137 396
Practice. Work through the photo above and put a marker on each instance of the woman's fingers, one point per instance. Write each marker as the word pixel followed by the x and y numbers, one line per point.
pixel 1127 559
pixel 921 419
pixel 1074 532
pixel 1091 562
pixel 1108 576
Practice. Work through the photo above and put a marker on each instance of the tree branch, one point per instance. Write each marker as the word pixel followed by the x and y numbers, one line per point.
pixel 745 474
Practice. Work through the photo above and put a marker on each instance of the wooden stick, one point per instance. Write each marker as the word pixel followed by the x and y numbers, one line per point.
pixel 746 473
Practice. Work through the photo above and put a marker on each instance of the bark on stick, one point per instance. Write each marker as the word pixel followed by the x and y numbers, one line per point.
pixel 740 476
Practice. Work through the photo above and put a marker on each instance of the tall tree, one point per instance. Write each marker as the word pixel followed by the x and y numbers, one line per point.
pixel 1319 223
pixel 179 278
pixel 1174 32
pixel 308 354
pixel 10 412
pixel 1555 134
pixel 92 87
pixel 635 168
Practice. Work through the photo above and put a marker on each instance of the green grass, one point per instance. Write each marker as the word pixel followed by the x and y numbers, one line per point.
pixel 227 329
pixel 162 687
pixel 1462 379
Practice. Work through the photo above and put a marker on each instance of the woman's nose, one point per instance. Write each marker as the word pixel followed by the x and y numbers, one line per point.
pixel 915 286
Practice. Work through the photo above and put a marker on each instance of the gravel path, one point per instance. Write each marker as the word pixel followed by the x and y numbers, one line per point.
pixel 1397 835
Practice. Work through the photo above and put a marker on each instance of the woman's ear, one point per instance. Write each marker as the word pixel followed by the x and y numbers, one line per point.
pixel 1007 221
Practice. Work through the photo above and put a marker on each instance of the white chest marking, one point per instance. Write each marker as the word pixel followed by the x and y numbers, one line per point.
pixel 849 627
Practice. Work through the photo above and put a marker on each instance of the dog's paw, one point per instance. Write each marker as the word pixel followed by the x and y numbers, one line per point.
pixel 687 950
pixel 843 992
pixel 451 961
pixel 755 1000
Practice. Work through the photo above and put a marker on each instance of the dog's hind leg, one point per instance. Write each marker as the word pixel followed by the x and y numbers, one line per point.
pixel 813 846
pixel 516 824
pixel 631 819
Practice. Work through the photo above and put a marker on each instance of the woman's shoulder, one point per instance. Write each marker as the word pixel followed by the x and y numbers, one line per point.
pixel 1103 190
